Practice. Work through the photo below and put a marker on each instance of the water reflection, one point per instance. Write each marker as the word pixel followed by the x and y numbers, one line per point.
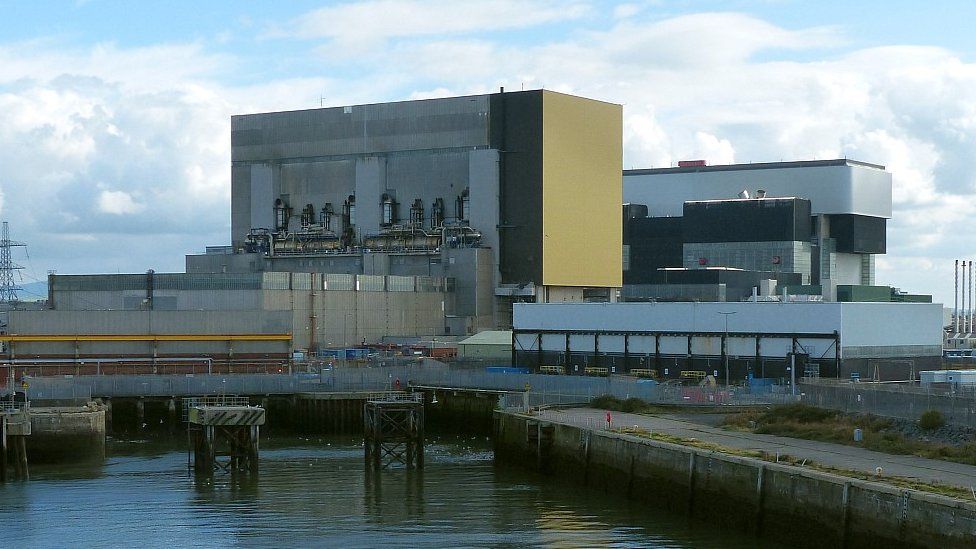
pixel 318 492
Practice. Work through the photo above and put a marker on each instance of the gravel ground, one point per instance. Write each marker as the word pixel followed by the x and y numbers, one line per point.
pixel 946 435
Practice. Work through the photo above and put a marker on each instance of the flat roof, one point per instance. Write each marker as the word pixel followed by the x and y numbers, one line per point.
pixel 753 199
pixel 422 100
pixel 756 166
pixel 489 337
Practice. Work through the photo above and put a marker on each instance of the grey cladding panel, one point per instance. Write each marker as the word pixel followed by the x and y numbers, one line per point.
pixel 262 200
pixel 410 125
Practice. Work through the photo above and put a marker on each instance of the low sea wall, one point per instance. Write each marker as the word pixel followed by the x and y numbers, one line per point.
pixel 804 507
pixel 66 435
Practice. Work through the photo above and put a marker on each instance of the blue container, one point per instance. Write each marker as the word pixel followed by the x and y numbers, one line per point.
pixel 506 370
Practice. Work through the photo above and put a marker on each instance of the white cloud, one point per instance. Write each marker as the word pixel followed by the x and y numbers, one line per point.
pixel 717 85
pixel 623 11
pixel 153 122
pixel 380 19
pixel 718 151
pixel 118 203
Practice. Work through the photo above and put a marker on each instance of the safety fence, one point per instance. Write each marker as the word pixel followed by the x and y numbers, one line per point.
pixel 160 366
pixel 433 376
pixel 957 404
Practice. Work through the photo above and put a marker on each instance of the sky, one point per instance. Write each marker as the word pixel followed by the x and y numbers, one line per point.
pixel 115 116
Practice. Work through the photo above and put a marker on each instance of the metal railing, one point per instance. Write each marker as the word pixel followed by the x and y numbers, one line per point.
pixel 213 400
pixel 9 405
pixel 393 396
pixel 542 389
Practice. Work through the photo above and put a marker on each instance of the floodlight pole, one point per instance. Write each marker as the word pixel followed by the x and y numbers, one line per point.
pixel 725 346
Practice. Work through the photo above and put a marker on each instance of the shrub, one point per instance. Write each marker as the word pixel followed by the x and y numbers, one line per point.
pixel 633 405
pixel 607 402
pixel 931 420
pixel 610 402
pixel 801 413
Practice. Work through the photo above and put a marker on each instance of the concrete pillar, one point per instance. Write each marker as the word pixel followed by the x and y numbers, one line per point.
pixel 22 458
pixel 140 412
pixel 3 448
pixel 107 402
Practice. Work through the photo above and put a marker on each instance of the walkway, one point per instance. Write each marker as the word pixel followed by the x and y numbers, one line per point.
pixel 832 455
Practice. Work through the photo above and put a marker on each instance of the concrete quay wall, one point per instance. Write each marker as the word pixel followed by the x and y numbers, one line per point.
pixel 66 434
pixel 806 508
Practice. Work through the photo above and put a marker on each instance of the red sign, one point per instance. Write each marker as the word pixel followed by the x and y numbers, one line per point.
pixel 702 261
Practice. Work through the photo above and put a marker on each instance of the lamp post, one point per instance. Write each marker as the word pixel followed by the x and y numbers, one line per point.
pixel 725 345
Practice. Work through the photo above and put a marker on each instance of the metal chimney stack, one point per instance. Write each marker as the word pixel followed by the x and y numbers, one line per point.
pixel 955 307
pixel 962 299
pixel 963 326
pixel 969 310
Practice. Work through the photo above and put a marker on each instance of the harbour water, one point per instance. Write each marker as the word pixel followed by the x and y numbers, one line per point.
pixel 316 493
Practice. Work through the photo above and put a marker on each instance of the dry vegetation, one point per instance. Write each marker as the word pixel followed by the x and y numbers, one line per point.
pixel 880 434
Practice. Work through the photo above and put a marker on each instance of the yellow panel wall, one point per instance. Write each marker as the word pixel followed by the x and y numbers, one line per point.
pixel 582 236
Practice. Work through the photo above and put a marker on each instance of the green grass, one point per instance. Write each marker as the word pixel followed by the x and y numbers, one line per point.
pixel 811 423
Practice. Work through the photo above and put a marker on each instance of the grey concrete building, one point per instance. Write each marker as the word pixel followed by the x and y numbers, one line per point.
pixel 503 193
pixel 823 220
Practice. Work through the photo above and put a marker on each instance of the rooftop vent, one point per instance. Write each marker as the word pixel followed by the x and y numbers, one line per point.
pixel 744 193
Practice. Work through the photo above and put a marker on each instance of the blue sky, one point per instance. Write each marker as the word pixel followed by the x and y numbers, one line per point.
pixel 114 116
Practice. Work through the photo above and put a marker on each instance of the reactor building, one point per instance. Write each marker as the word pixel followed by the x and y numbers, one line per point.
pixel 514 196
pixel 451 216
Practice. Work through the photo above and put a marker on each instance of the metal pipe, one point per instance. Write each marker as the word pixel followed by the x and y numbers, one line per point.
pixel 970 315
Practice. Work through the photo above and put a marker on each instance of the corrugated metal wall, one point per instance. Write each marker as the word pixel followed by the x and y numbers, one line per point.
pixel 148 322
